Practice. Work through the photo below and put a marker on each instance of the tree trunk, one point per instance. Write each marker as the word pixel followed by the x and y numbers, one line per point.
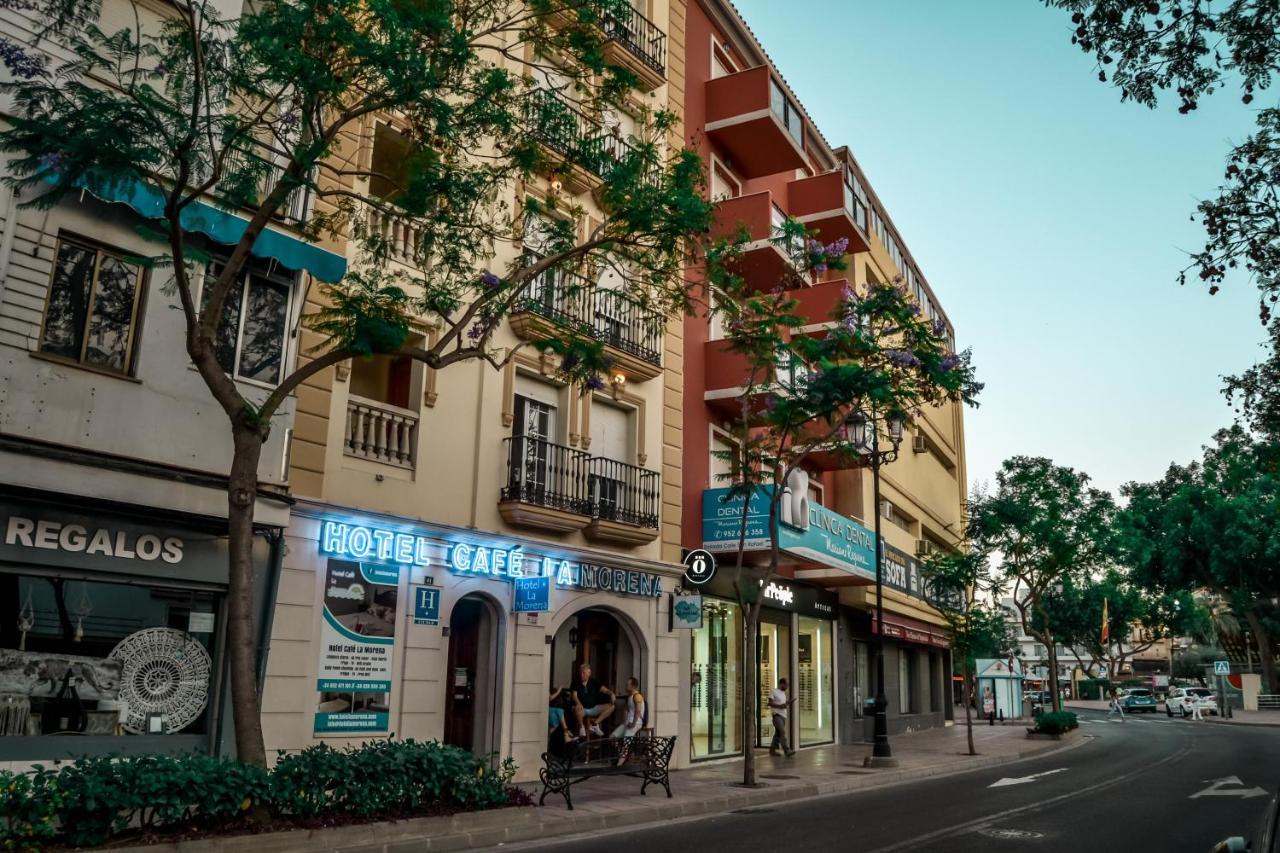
pixel 750 693
pixel 1265 657
pixel 1053 673
pixel 968 699
pixel 242 487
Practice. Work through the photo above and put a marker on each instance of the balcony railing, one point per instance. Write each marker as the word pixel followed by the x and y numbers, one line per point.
pixel 640 36
pixel 381 432
pixel 621 322
pixel 402 237
pixel 609 316
pixel 546 474
pixel 550 475
pixel 263 175
pixel 627 494
pixel 572 134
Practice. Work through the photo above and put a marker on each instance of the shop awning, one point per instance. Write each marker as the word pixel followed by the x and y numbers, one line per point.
pixel 226 227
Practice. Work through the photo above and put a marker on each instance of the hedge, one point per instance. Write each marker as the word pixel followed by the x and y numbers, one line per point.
pixel 87 802
pixel 1056 722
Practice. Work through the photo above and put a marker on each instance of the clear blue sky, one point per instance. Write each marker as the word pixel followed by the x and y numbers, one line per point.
pixel 1050 219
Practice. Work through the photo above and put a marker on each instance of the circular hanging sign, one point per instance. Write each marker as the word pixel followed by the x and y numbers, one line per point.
pixel 699 566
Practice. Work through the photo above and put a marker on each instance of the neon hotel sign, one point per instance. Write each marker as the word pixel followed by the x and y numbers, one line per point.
pixel 372 544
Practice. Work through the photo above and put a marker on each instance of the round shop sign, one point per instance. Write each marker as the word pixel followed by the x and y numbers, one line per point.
pixel 699 566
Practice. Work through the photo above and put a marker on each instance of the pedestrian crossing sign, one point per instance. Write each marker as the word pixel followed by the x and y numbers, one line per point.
pixel 1222 667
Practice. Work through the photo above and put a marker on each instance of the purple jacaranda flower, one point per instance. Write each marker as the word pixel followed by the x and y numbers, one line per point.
pixel 949 362
pixel 490 280
pixel 839 247
pixel 819 268
pixel 815 246
pixel 902 357
pixel 939 327
pixel 21 64
pixel 915 310
pixel 571 361
pixel 52 162
pixel 476 332
pixel 288 120
pixel 595 383
pixel 846 293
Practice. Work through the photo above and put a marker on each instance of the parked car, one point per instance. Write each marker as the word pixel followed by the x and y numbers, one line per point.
pixel 1183 700
pixel 1139 700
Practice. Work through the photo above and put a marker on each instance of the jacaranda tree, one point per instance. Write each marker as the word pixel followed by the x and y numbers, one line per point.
pixel 252 110
pixel 875 358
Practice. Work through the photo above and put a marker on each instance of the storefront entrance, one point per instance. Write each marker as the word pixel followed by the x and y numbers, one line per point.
pixel 596 637
pixel 471 713
pixel 773 662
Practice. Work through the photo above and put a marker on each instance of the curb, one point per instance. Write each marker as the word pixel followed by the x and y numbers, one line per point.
pixel 476 830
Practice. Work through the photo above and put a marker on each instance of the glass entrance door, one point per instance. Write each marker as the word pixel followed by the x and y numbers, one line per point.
pixel 773 662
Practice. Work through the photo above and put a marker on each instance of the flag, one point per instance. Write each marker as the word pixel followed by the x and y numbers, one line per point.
pixel 1106 627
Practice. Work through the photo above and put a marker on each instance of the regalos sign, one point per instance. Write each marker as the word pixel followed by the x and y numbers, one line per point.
pixel 49 535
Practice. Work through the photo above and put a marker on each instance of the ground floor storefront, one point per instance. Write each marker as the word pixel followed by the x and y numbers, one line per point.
pixel 113 628
pixel 387 626
pixel 795 640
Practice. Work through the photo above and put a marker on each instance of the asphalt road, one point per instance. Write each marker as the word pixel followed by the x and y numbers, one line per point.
pixel 1148 784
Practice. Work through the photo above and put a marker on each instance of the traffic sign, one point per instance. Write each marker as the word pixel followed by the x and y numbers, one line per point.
pixel 1222 667
pixel 699 566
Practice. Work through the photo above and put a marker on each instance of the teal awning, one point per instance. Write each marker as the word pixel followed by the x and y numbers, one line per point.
pixel 225 227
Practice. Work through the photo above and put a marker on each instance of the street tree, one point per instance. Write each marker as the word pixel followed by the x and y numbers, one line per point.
pixel 254 110
pixel 876 359
pixel 1210 526
pixel 1044 526
pixel 1135 619
pixel 959 586
pixel 1195 48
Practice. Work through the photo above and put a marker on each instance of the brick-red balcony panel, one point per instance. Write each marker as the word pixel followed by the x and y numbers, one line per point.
pixel 817 304
pixel 820 202
pixel 742 119
pixel 763 263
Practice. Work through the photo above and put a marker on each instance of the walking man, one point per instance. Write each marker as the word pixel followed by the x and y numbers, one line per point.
pixel 1116 707
pixel 1195 707
pixel 778 704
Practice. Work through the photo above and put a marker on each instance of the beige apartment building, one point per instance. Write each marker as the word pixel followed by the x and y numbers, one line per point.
pixel 424 497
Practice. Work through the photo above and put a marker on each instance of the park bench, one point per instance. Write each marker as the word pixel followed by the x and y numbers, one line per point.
pixel 644 756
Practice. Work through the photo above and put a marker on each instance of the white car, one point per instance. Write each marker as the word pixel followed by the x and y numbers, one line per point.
pixel 1184 700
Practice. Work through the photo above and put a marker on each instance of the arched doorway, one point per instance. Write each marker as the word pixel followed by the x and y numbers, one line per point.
pixel 471 677
pixel 607 641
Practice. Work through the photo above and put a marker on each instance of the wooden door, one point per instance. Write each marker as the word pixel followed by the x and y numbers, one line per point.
pixel 464 653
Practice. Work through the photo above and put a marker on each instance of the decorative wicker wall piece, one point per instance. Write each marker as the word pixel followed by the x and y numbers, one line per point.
pixel 162 671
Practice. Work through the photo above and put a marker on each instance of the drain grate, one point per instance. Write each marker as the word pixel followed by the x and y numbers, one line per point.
pixel 779 777
pixel 753 810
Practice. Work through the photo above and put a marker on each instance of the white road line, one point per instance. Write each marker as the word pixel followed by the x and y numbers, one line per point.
pixel 913 843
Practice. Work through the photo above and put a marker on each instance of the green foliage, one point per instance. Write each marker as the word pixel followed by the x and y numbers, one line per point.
pixel 1147 47
pixel 1056 722
pixel 86 802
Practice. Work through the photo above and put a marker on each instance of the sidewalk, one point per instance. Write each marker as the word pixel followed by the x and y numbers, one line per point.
pixel 612 802
pixel 1238 717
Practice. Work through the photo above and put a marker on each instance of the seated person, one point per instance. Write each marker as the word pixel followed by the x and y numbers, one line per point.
pixel 559 735
pixel 592 700
pixel 635 717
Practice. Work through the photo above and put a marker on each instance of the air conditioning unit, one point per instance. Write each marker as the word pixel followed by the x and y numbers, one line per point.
pixel 924 548
pixel 919 444
pixel 886 509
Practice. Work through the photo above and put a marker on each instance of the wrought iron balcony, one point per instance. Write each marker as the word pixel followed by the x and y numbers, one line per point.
pixel 574 136
pixel 557 488
pixel 574 302
pixel 643 40
pixel 623 493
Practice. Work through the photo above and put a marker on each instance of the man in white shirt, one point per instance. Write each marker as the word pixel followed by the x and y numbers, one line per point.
pixel 778 704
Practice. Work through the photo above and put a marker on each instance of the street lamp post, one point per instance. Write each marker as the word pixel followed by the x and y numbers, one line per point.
pixel 866 437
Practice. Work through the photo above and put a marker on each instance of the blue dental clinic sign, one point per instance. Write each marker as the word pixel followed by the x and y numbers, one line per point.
pixel 828 538
pixel 531 595
pixel 363 543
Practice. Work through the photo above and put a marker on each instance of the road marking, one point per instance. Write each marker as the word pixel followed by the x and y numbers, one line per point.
pixel 1011 833
pixel 985 822
pixel 1021 780
pixel 1216 789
